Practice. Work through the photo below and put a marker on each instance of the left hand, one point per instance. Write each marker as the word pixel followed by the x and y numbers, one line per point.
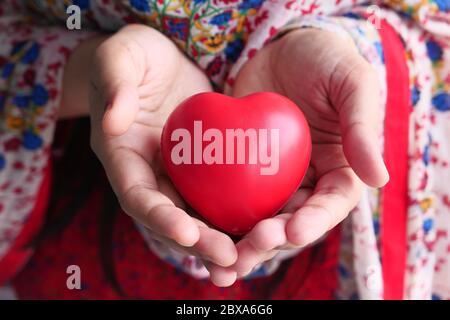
pixel 338 92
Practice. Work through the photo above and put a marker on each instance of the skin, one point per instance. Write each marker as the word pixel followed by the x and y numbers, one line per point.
pixel 130 82
pixel 338 92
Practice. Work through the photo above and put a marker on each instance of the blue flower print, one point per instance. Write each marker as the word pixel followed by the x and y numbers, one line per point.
pixel 443 5
pixel 352 15
pixel 376 226
pixel 2 161
pixel 434 50
pixel 426 155
pixel 427 225
pixel 415 95
pixel 441 101
pixel 31 55
pixel 31 141
pixel 380 50
pixel 7 70
pixel 221 19
pixel 234 49
pixel 178 28
pixel 21 101
pixel 2 102
pixel 141 5
pixel 343 272
pixel 250 4
pixel 17 47
pixel 39 95
pixel 83 4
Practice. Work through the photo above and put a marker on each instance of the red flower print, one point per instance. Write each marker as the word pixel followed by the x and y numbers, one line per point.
pixel 12 144
pixel 214 67
pixel 29 76
pixel 53 93
pixel 252 53
pixel 273 31
pixel 194 51
pixel 18 165
pixel 446 200
pixel 263 16
pixel 2 61
pixel 5 186
pixel 18 190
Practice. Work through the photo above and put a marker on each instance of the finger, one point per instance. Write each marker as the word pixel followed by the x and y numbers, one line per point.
pixel 118 71
pixel 336 194
pixel 215 247
pixel 297 200
pixel 267 236
pixel 249 257
pixel 166 187
pixel 220 276
pixel 227 254
pixel 122 108
pixel 356 95
pixel 135 185
pixel 270 233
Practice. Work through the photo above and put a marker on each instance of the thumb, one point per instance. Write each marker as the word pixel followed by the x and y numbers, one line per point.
pixel 121 109
pixel 117 74
pixel 356 96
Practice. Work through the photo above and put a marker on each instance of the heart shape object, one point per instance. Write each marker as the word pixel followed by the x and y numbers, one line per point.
pixel 236 161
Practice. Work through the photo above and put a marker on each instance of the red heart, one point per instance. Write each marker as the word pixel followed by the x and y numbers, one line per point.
pixel 231 184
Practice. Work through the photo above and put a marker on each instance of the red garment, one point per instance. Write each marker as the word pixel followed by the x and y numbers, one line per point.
pixel 395 193
pixel 142 275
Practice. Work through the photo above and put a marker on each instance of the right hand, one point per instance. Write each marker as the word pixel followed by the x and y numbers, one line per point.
pixel 138 77
pixel 338 92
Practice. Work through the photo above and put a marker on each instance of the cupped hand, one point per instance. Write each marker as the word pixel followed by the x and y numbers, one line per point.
pixel 338 92
pixel 138 78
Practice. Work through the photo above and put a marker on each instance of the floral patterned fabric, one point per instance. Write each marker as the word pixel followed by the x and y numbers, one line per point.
pixel 31 69
pixel 220 36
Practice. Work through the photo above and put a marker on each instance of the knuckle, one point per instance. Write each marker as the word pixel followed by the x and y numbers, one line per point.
pixel 296 238
pixel 126 198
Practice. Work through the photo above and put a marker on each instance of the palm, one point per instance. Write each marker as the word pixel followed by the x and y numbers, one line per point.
pixel 158 96
pixel 323 75
pixel 163 78
pixel 142 76
pixel 302 76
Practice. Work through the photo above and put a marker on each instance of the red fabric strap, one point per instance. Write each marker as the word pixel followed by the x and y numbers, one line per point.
pixel 394 195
